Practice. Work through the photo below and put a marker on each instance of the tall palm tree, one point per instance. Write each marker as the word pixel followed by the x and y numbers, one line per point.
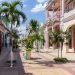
pixel 12 15
pixel 34 30
pixel 33 26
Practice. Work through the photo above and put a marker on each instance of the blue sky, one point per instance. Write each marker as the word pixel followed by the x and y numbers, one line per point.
pixel 34 9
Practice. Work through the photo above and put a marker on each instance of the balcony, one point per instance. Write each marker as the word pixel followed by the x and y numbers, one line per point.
pixel 69 15
pixel 53 18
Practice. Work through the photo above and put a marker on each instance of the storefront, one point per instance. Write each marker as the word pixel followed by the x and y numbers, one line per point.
pixel 4 37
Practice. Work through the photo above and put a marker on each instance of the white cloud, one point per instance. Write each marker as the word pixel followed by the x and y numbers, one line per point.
pixel 39 7
pixel 41 1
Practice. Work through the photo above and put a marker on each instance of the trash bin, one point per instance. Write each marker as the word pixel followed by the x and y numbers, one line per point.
pixel 25 56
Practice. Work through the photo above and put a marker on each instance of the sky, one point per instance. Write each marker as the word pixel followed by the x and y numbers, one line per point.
pixel 34 9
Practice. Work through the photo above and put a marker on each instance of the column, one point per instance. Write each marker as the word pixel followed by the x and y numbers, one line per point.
pixel 46 37
pixel 73 39
pixel 47 15
pixel 61 13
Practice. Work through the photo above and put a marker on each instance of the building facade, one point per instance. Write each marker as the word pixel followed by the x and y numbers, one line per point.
pixel 4 37
pixel 52 19
pixel 60 14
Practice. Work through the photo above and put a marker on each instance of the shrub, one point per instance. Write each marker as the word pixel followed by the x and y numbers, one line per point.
pixel 61 60
pixel 28 49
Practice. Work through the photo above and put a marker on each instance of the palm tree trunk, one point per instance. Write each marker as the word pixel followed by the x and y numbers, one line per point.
pixel 61 48
pixel 11 54
pixel 58 50
pixel 37 46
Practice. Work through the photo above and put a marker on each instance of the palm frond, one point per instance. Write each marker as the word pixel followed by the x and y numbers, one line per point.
pixel 20 14
pixel 5 4
pixel 4 10
pixel 14 4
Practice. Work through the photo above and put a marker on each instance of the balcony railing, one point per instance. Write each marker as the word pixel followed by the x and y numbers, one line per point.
pixel 67 10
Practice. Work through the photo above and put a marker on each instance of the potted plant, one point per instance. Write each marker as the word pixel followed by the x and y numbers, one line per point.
pixel 28 42
pixel 28 51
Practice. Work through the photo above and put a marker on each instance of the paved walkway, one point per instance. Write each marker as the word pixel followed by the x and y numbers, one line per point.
pixel 5 68
pixel 42 64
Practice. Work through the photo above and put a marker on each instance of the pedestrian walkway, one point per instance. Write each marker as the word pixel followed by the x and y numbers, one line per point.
pixel 5 68
pixel 42 63
pixel 4 54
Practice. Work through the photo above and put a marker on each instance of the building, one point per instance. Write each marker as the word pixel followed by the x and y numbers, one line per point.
pixel 62 15
pixel 4 37
pixel 52 19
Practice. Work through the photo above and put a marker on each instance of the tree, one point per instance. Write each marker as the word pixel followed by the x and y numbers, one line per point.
pixel 13 16
pixel 34 30
pixel 57 38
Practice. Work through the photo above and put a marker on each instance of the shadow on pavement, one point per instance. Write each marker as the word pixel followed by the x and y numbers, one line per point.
pixel 71 61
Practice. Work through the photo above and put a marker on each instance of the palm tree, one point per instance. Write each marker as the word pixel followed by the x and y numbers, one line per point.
pixel 13 16
pixel 33 26
pixel 54 39
pixel 57 38
pixel 34 30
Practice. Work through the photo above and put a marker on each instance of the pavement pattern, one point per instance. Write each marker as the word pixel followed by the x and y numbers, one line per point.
pixel 42 63
pixel 5 68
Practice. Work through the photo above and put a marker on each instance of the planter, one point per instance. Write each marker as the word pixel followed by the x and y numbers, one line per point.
pixel 28 54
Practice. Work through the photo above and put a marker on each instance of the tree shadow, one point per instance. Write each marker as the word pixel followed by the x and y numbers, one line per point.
pixel 43 63
pixel 34 58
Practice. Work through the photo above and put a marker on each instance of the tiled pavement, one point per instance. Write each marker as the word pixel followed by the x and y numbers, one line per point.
pixel 42 64
pixel 5 69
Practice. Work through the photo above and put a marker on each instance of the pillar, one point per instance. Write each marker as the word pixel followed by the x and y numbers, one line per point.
pixel 61 13
pixel 46 37
pixel 73 39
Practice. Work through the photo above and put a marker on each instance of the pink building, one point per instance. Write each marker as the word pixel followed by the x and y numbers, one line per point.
pixel 3 36
pixel 60 14
pixel 52 19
